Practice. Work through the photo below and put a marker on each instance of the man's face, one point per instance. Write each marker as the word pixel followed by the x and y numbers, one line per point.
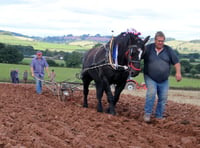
pixel 39 55
pixel 159 41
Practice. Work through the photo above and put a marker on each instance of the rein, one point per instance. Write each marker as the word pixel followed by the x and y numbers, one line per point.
pixel 129 57
pixel 134 68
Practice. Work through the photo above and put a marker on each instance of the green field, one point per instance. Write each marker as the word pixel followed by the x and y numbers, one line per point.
pixel 38 45
pixel 68 74
pixel 27 61
pixel 62 74
pixel 183 47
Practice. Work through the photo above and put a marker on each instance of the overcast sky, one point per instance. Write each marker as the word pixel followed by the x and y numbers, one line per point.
pixel 176 18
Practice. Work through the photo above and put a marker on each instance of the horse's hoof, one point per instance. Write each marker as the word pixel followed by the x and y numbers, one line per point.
pixel 113 113
pixel 99 111
pixel 110 112
pixel 86 106
pixel 99 108
pixel 107 110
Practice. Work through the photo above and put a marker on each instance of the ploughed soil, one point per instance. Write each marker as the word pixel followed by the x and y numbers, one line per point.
pixel 29 120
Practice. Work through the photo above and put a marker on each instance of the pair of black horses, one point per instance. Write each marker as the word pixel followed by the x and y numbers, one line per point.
pixel 112 64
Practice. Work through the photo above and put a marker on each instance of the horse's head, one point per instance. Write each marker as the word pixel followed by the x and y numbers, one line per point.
pixel 133 49
pixel 136 49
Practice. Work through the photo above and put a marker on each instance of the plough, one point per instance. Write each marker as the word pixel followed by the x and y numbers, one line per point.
pixel 66 89
pixel 62 89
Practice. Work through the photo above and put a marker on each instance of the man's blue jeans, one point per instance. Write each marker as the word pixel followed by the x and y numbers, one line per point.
pixel 153 88
pixel 38 84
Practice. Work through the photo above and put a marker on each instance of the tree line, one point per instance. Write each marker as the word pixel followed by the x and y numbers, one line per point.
pixel 14 54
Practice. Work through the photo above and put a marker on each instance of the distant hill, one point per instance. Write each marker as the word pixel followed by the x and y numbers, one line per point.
pixel 2 32
pixel 11 33
pixel 71 38
pixel 82 42
pixel 185 46
pixel 41 45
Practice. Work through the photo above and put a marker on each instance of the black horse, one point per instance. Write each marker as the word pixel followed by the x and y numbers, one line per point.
pixel 111 64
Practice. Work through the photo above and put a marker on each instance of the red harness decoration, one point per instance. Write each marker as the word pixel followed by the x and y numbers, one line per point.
pixel 130 64
pixel 133 67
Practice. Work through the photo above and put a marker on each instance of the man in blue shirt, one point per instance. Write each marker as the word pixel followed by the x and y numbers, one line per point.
pixel 158 59
pixel 38 65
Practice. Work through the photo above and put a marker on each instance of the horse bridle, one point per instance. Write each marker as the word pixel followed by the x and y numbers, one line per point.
pixel 129 57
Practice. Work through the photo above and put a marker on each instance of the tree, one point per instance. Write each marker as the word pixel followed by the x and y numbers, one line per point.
pixel 73 59
pixel 197 67
pixel 192 60
pixel 97 45
pixel 193 71
pixel 25 50
pixel 2 45
pixel 186 66
pixel 84 36
pixel 173 71
pixel 48 53
pixel 97 35
pixel 177 53
pixel 51 62
pixel 194 55
pixel 9 54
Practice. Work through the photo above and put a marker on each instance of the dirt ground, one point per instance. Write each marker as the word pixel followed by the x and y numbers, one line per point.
pixel 28 120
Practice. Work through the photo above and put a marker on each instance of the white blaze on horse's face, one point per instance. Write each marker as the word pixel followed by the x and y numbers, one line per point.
pixel 140 53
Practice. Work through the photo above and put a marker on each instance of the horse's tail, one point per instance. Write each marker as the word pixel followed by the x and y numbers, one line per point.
pixel 81 75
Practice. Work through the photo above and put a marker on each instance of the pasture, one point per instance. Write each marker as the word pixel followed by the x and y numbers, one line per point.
pixel 182 46
pixel 63 73
pixel 27 61
pixel 39 45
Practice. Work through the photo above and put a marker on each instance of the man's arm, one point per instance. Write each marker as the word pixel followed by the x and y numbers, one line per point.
pixel 47 70
pixel 178 71
pixel 32 72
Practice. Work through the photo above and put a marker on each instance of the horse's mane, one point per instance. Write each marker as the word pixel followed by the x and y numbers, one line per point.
pixel 123 40
pixel 101 55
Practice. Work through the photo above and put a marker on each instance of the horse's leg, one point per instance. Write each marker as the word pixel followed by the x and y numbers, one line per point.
pixel 110 97
pixel 99 95
pixel 118 90
pixel 86 83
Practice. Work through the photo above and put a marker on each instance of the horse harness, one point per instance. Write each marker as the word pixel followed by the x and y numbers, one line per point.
pixel 108 59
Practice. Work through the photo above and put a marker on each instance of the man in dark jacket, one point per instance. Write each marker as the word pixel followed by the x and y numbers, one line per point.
pixel 157 62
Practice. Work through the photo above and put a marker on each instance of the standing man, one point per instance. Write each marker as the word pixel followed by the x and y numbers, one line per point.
pixel 17 76
pixel 25 76
pixel 12 76
pixel 157 63
pixel 38 65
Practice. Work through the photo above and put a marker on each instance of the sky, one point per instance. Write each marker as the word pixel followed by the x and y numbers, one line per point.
pixel 176 18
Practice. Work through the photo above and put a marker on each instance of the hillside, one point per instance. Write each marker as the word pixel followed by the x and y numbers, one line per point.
pixel 84 42
pixel 41 45
pixel 185 46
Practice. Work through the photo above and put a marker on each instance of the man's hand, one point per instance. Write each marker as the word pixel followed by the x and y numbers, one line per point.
pixel 33 75
pixel 178 77
pixel 178 72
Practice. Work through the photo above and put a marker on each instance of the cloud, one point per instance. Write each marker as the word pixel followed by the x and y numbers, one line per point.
pixel 178 19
